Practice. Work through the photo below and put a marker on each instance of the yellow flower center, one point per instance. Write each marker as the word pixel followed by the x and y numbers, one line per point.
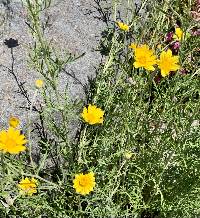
pixel 165 64
pixel 142 59
pixel 91 116
pixel 10 142
pixel 83 182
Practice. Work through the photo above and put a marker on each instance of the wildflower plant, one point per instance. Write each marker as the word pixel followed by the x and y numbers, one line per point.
pixel 142 140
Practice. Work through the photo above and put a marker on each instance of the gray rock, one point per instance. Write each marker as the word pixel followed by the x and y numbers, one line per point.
pixel 69 29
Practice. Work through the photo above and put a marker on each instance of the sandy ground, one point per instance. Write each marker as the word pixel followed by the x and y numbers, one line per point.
pixel 70 28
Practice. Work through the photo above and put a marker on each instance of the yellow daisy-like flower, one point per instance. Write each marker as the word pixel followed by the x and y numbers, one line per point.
pixel 39 83
pixel 133 46
pixel 12 141
pixel 14 122
pixel 168 63
pixel 28 186
pixel 92 114
pixel 123 26
pixel 144 57
pixel 84 183
pixel 178 34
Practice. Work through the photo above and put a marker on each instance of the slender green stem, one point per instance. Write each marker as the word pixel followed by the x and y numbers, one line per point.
pixel 2 163
pixel 38 31
pixel 29 126
pixel 82 145
pixel 40 178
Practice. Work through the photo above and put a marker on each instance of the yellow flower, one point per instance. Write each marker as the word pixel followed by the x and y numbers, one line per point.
pixel 39 83
pixel 92 114
pixel 159 46
pixel 123 26
pixel 133 46
pixel 144 57
pixel 84 183
pixel 14 122
pixel 12 141
pixel 28 186
pixel 168 62
pixel 128 154
pixel 178 34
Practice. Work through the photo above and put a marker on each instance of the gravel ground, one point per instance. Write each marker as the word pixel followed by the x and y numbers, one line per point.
pixel 70 29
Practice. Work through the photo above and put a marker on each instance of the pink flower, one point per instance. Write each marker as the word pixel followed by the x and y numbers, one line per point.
pixel 183 71
pixel 175 46
pixel 196 32
pixel 169 37
pixel 157 78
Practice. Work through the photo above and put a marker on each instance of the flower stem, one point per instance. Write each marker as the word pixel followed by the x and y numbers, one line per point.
pixel 2 163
